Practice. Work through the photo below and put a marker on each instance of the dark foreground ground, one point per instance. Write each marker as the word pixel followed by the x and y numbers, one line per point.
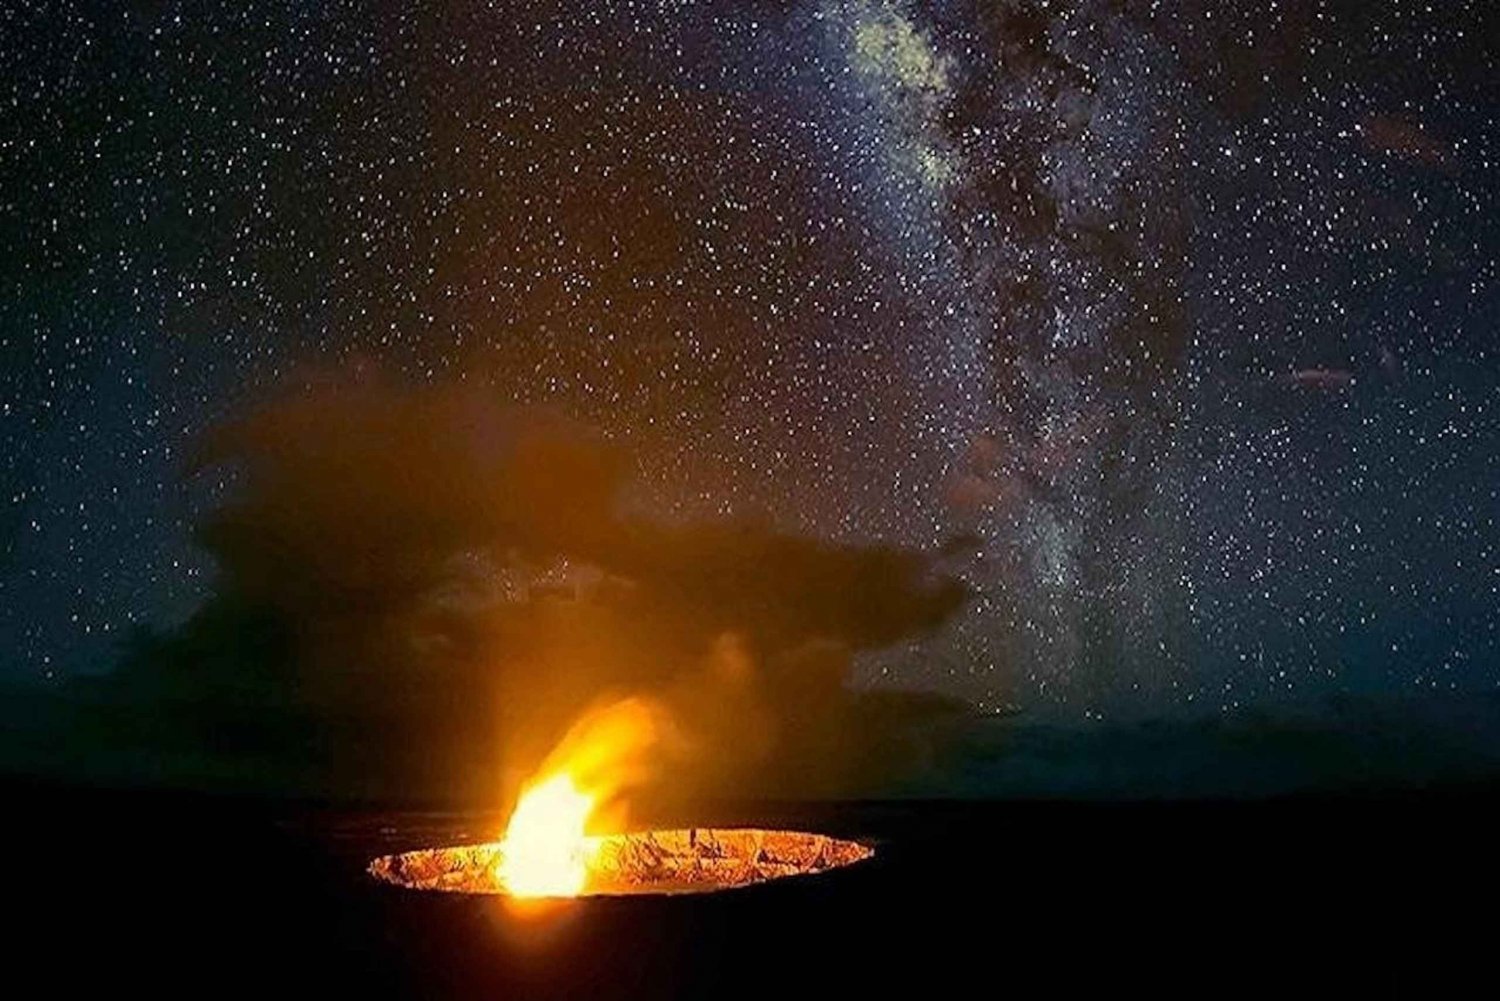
pixel 141 894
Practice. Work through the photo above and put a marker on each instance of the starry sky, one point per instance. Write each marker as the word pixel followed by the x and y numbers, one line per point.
pixel 1174 322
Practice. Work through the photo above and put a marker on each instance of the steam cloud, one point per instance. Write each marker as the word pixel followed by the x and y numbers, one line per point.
pixel 437 586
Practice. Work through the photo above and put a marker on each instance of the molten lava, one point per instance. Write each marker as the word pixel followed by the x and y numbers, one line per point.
pixel 687 860
pixel 549 850
pixel 545 852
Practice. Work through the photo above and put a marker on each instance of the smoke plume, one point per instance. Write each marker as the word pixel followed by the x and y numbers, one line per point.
pixel 442 585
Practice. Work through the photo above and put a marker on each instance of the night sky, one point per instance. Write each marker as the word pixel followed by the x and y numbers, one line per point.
pixel 1175 322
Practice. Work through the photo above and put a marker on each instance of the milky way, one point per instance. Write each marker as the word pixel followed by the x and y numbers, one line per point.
pixel 1179 316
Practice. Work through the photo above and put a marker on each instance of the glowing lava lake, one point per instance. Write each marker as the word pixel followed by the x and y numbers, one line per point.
pixel 689 860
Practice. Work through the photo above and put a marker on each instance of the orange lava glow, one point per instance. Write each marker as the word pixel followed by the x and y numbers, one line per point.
pixel 545 852
pixel 567 836
pixel 548 848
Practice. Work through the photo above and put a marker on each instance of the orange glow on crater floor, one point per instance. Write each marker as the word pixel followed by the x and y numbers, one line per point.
pixel 549 851
pixel 688 860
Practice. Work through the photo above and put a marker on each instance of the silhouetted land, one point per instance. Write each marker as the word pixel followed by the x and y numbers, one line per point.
pixel 1375 895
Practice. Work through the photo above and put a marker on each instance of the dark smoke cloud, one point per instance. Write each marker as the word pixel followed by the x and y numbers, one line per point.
pixel 426 587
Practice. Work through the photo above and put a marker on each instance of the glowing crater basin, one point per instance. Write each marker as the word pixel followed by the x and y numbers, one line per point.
pixel 690 860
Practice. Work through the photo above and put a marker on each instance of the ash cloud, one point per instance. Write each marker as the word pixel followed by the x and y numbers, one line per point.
pixel 420 589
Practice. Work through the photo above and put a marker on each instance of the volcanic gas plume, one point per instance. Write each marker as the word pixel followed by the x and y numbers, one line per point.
pixel 424 590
